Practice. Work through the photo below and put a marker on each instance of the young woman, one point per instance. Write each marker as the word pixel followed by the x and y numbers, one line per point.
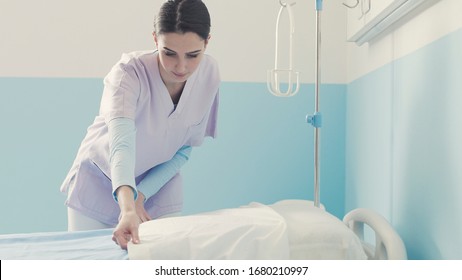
pixel 156 105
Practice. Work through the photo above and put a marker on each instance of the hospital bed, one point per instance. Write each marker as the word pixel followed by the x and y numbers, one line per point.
pixel 288 229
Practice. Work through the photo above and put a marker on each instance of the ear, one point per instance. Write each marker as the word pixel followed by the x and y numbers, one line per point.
pixel 207 41
pixel 154 35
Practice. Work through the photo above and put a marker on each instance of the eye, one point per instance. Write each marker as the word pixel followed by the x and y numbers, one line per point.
pixel 169 53
pixel 192 55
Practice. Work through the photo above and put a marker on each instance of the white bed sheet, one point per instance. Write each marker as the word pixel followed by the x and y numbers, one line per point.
pixel 90 245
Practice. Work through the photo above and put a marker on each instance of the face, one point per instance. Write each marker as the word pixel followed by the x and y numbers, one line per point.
pixel 179 55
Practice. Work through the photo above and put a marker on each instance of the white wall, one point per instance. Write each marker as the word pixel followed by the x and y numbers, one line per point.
pixel 55 38
pixel 245 33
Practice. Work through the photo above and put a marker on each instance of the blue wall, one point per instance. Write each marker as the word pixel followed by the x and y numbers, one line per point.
pixel 43 122
pixel 404 147
pixel 264 151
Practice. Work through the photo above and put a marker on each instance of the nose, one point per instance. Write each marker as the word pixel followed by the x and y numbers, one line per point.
pixel 181 66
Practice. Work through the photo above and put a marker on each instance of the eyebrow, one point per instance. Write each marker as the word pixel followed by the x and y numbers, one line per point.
pixel 193 52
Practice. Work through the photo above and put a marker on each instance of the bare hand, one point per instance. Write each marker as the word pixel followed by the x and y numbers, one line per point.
pixel 127 230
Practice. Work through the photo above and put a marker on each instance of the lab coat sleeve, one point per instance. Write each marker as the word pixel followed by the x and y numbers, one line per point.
pixel 122 133
pixel 159 175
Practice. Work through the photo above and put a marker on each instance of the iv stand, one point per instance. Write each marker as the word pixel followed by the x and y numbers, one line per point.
pixel 316 119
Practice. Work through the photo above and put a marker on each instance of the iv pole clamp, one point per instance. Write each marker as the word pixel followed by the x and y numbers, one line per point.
pixel 274 75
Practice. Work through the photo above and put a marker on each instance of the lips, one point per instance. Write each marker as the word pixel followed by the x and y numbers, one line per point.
pixel 180 75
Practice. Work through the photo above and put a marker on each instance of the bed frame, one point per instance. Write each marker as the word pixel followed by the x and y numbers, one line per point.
pixel 388 244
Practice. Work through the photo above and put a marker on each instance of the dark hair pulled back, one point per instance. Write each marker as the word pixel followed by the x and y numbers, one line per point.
pixel 181 16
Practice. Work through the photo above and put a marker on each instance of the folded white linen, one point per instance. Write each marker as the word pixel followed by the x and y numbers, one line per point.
pixel 315 234
pixel 251 232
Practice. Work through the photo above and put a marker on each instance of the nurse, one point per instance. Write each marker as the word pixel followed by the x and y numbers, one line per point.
pixel 156 106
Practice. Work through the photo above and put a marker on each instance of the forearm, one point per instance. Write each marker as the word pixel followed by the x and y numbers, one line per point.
pixel 127 228
pixel 125 198
pixel 159 175
pixel 122 133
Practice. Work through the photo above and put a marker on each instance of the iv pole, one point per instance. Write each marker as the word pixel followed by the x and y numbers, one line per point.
pixel 316 119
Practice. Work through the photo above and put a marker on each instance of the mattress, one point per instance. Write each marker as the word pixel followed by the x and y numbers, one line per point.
pixel 288 229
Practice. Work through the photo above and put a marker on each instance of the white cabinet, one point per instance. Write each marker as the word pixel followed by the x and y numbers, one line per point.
pixel 369 18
